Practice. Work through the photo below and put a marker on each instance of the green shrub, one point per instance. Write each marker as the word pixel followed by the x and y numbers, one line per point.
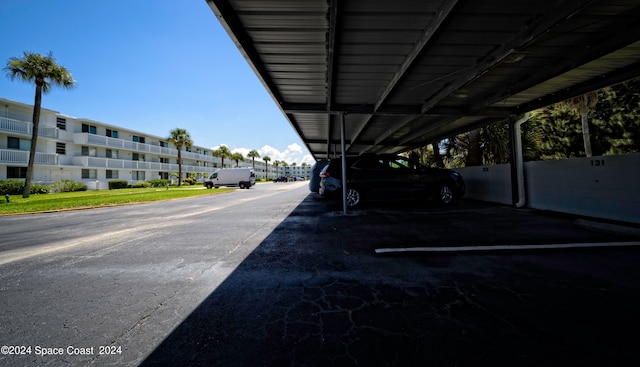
pixel 159 183
pixel 39 189
pixel 68 186
pixel 139 184
pixel 189 181
pixel 11 187
pixel 118 184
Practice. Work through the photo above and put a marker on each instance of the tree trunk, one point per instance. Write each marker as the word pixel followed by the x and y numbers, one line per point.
pixel 179 167
pixel 436 154
pixel 474 154
pixel 26 191
pixel 585 130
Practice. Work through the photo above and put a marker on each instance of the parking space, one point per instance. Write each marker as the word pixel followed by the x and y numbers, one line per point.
pixel 316 293
pixel 467 224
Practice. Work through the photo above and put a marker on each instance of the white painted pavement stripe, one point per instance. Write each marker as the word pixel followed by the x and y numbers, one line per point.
pixel 506 247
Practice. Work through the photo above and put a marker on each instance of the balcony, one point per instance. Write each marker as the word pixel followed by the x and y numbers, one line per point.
pixel 105 141
pixel 12 126
pixel 110 163
pixel 21 157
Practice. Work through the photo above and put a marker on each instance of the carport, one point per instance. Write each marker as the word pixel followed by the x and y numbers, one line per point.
pixel 386 76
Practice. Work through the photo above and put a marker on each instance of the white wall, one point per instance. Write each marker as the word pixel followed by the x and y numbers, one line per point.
pixel 601 187
pixel 488 183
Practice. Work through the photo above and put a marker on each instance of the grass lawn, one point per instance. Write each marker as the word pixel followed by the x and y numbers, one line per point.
pixel 101 198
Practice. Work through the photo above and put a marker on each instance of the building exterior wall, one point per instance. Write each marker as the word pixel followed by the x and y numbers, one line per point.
pixel 95 153
pixel 600 187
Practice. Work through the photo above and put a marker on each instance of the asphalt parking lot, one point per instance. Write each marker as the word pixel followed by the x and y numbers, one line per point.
pixel 385 286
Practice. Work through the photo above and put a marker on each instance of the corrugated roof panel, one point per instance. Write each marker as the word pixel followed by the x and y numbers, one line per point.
pixel 384 62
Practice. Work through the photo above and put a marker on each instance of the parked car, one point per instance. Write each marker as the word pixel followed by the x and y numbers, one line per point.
pixel 281 179
pixel 314 180
pixel 389 177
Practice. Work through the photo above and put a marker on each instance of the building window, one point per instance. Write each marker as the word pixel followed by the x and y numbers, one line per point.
pixel 110 153
pixel 112 173
pixel 89 129
pixel 89 174
pixel 13 143
pixel 137 175
pixel 61 148
pixel 164 175
pixel 164 160
pixel 89 152
pixel 61 123
pixel 112 133
pixel 16 172
pixel 137 157
pixel 138 139
pixel 164 144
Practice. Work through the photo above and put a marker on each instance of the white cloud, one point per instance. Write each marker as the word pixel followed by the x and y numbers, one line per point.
pixel 218 146
pixel 293 153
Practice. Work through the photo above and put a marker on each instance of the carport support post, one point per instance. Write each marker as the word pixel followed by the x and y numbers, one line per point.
pixel 517 164
pixel 343 160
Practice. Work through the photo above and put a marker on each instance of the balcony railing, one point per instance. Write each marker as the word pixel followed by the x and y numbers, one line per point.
pixel 105 141
pixel 21 157
pixel 109 163
pixel 25 128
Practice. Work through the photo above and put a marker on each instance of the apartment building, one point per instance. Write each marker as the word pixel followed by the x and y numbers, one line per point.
pixel 95 153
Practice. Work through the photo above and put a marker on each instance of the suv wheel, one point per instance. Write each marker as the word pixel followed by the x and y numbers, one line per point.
pixel 354 197
pixel 445 195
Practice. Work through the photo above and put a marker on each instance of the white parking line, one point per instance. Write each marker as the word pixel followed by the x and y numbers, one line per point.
pixel 506 247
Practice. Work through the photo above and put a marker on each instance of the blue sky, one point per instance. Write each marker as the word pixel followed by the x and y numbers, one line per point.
pixel 148 65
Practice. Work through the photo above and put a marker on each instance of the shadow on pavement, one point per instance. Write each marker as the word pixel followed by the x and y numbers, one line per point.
pixel 314 293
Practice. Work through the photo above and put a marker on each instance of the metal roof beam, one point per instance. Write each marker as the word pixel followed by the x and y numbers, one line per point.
pixel 517 43
pixel 332 35
pixel 416 50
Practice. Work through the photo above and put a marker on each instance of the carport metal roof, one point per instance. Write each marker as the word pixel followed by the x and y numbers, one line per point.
pixel 404 73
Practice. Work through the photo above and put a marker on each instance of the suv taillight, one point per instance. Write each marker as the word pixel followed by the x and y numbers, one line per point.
pixel 325 172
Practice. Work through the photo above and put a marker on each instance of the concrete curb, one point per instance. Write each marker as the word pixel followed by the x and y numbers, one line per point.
pixel 506 247
pixel 608 228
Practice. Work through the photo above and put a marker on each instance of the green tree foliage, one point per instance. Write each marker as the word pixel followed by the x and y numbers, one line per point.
pixel 237 157
pixel 616 119
pixel 614 124
pixel 553 132
pixel 222 153
pixel 253 154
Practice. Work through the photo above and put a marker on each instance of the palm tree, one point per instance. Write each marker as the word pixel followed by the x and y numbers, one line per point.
pixel 222 153
pixel 180 138
pixel 266 160
pixel 582 104
pixel 45 72
pixel 253 154
pixel 237 157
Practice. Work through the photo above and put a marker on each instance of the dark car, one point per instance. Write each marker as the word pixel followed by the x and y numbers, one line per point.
pixel 390 177
pixel 281 179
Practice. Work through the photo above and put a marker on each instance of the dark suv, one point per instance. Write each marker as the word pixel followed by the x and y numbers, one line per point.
pixel 389 177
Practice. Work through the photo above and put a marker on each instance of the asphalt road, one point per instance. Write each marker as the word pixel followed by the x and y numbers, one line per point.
pixel 105 286
pixel 272 276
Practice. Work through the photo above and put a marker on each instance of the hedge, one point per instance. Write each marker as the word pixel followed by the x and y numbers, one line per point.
pixel 118 184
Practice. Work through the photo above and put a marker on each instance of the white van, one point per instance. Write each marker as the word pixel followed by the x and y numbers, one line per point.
pixel 241 177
